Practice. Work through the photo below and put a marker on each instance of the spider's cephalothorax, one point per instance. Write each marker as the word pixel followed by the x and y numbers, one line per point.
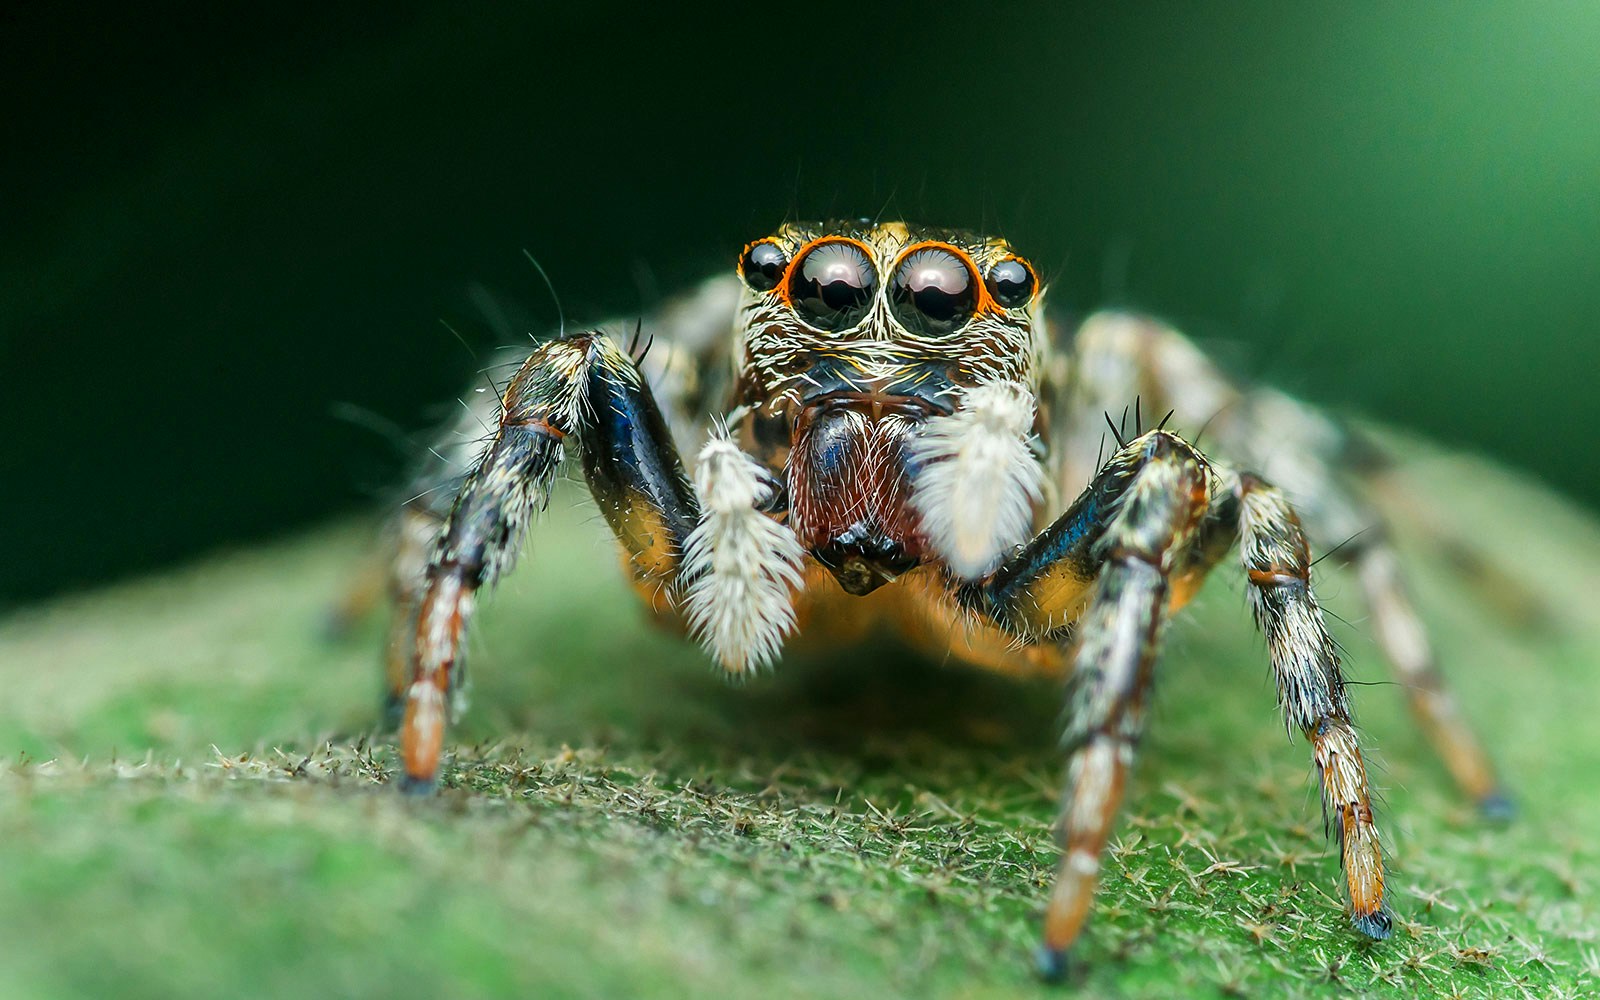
pixel 872 447
pixel 854 344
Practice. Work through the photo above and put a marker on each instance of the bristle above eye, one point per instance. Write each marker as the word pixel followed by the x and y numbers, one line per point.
pixel 979 480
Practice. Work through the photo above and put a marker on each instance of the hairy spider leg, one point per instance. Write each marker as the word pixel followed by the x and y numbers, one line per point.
pixel 684 362
pixel 583 387
pixel 1311 689
pixel 1118 357
pixel 1310 460
pixel 1403 638
pixel 415 532
pixel 431 490
pixel 1108 573
pixel 1116 548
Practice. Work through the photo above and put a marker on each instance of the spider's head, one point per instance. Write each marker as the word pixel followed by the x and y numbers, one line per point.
pixel 860 347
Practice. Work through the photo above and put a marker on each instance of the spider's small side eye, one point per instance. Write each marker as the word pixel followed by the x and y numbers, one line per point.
pixel 762 265
pixel 1012 283
pixel 832 284
pixel 934 291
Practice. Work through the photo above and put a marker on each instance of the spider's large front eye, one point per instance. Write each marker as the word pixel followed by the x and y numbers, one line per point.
pixel 762 265
pixel 831 286
pixel 1012 283
pixel 933 292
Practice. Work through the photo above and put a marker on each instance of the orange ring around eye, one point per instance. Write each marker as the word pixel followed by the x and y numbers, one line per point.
pixel 974 283
pixel 1033 280
pixel 986 303
pixel 745 256
pixel 800 254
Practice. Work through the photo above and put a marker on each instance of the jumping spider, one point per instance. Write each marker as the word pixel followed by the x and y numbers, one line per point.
pixel 883 420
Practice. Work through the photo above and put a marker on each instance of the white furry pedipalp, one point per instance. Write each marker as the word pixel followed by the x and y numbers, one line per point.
pixel 742 564
pixel 979 480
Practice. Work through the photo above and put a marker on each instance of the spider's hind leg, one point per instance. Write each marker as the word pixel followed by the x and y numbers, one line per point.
pixel 1399 631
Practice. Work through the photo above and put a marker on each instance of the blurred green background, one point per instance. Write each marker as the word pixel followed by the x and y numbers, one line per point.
pixel 223 234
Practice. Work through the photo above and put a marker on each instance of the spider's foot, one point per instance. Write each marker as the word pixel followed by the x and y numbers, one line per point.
pixel 412 787
pixel 1497 807
pixel 1051 963
pixel 1377 925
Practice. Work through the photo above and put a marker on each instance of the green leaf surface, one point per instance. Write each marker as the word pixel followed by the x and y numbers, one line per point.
pixel 193 802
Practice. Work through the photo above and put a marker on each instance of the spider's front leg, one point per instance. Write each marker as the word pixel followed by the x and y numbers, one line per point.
pixel 583 388
pixel 1107 573
pixel 1308 456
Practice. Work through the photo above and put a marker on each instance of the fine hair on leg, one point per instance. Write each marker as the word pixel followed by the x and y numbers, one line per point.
pixel 1117 642
pixel 583 388
pixel 1311 689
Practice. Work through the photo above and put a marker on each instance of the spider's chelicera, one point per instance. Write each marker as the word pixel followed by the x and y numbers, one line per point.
pixel 883 424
